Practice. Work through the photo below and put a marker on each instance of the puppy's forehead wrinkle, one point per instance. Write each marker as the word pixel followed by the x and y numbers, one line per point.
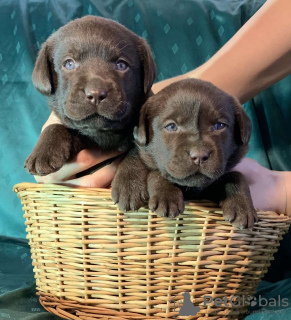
pixel 81 51
pixel 91 47
pixel 124 47
pixel 188 107
pixel 224 114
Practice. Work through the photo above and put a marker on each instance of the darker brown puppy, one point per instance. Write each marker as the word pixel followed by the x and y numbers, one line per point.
pixel 96 74
pixel 190 135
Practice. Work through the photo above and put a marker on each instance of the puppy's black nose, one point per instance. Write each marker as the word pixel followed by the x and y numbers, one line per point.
pixel 95 96
pixel 199 156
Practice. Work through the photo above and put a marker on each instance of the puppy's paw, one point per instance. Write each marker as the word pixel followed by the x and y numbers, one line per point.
pixel 128 193
pixel 240 212
pixel 167 202
pixel 46 159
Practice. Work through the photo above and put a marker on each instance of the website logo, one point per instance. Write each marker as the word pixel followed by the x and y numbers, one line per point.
pixel 246 300
pixel 188 308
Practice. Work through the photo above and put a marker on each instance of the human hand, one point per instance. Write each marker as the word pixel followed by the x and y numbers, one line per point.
pixel 84 160
pixel 270 190
pixel 197 73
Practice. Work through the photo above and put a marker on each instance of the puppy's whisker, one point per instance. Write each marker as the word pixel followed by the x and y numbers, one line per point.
pixel 122 48
pixel 222 108
pixel 175 139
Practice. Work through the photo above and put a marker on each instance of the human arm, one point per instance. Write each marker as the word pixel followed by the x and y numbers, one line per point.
pixel 256 57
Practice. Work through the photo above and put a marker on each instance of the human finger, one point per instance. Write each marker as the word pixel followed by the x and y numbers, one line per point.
pixel 84 160
pixel 99 179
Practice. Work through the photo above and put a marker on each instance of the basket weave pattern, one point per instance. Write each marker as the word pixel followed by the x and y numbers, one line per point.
pixel 91 261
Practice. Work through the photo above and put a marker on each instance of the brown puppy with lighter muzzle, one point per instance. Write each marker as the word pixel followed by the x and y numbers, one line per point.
pixel 96 74
pixel 190 135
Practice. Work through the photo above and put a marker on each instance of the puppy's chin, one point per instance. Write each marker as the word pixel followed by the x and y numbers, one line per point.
pixel 196 180
pixel 99 120
pixel 109 111
pixel 96 123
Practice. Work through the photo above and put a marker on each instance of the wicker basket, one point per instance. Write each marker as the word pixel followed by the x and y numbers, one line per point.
pixel 92 261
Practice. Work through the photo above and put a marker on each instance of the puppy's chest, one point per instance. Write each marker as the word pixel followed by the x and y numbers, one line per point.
pixel 147 158
pixel 111 140
pixel 192 193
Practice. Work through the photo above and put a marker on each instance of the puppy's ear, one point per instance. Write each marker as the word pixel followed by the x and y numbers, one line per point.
pixel 140 133
pixel 43 73
pixel 149 66
pixel 243 121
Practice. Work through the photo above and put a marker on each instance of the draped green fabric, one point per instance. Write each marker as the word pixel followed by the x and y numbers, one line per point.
pixel 183 34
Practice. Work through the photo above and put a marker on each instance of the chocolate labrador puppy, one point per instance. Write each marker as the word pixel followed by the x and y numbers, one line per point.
pixel 190 135
pixel 96 74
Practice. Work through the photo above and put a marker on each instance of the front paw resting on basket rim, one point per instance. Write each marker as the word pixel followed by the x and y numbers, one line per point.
pixel 53 149
pixel 166 200
pixel 240 212
pixel 236 201
pixel 129 186
pixel 129 195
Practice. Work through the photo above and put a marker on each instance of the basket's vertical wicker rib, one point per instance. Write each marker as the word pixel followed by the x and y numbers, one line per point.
pixel 274 248
pixel 34 248
pixel 120 262
pixel 171 280
pixel 199 253
pixel 201 245
pixel 85 247
pixel 221 270
pixel 241 280
pixel 252 243
pixel 148 264
pixel 58 252
pixel 226 252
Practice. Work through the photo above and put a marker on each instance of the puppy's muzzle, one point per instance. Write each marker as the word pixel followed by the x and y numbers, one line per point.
pixel 95 95
pixel 96 91
pixel 199 156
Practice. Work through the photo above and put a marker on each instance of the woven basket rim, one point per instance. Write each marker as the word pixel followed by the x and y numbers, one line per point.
pixel 25 185
pixel 275 217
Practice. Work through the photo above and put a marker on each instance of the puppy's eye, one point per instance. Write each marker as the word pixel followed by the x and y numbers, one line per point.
pixel 219 126
pixel 70 64
pixel 172 127
pixel 121 65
